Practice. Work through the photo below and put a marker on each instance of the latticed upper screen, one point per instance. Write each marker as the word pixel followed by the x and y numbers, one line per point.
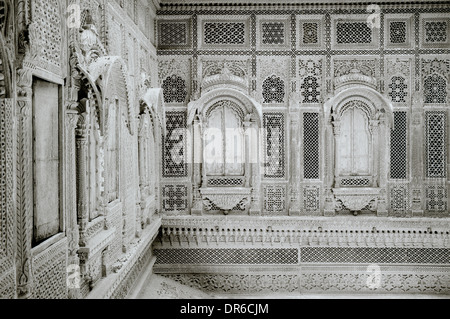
pixel 173 33
pixel 174 89
pixel 397 89
pixel 397 32
pixel 273 90
pixel 310 90
pixel 273 33
pixel 435 31
pixel 174 142
pixel 224 32
pixel 435 89
pixel 353 32
pixel 274 165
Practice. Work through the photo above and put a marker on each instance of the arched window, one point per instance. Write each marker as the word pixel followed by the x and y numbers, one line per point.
pixel 311 90
pixel 435 89
pixel 273 90
pixel 174 89
pixel 224 140
pixel 397 89
pixel 354 142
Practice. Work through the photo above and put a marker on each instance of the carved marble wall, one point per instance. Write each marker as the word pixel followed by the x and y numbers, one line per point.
pixel 297 67
pixel 354 117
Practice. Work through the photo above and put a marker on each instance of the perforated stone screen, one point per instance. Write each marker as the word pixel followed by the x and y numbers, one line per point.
pixel 397 32
pixel 174 143
pixel 220 33
pixel 399 146
pixel 221 256
pixel 173 33
pixel 436 145
pixel 311 152
pixel 353 32
pixel 274 153
pixel 272 33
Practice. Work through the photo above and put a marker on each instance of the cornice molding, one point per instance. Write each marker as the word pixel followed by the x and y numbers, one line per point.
pixel 291 4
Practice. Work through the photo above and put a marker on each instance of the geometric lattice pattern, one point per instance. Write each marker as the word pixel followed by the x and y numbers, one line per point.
pixel 273 33
pixel 311 151
pixel 353 32
pixel 436 198
pixel 352 182
pixel 435 31
pixel 174 145
pixel 274 200
pixel 49 273
pixel 435 89
pixel 47 23
pixel 224 33
pixel 397 32
pixel 174 198
pixel 399 146
pixel 436 146
pixel 172 33
pixel 274 154
pixel 174 89
pixel 310 90
pixel 311 199
pixel 227 256
pixel 382 255
pixel 400 199
pixel 310 33
pixel 273 90
pixel 397 89
pixel 226 181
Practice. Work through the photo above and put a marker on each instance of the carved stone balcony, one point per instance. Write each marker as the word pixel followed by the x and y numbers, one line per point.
pixel 226 198
pixel 356 198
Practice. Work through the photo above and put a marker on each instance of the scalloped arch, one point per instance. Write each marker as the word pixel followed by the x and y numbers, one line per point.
pixel 248 104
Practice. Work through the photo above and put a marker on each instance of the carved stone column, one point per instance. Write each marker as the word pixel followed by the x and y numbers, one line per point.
pixel 377 155
pixel 24 204
pixel 294 207
pixel 255 178
pixel 70 198
pixel 82 132
pixel 330 203
pixel 417 128
pixel 197 142
pixel 383 160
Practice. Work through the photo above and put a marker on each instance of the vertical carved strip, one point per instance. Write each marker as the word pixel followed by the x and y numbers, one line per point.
pixel 7 213
pixel 70 199
pixel 294 164
pixel 82 151
pixel 24 197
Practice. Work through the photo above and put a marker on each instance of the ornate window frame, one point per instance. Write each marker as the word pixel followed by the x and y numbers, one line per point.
pixel 185 20
pixel 202 20
pixel 433 17
pixel 335 19
pixel 261 19
pixel 408 19
pixel 320 20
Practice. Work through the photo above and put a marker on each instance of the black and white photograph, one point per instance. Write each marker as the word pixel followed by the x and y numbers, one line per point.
pixel 219 156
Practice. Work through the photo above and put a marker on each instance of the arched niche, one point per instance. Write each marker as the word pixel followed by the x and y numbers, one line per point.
pixel 360 120
pixel 235 188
